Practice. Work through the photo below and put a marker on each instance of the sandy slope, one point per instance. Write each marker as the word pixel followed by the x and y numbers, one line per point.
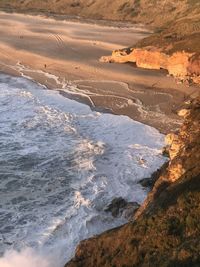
pixel 154 12
pixel 38 47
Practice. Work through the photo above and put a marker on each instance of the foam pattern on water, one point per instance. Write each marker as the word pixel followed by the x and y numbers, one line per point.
pixel 60 165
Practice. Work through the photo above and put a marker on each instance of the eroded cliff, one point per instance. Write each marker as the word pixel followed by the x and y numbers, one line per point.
pixel 182 65
pixel 166 230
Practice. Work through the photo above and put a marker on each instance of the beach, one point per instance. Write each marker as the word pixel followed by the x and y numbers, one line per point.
pixel 99 133
pixel 59 53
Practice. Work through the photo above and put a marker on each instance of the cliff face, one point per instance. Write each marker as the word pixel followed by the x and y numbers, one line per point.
pixel 166 230
pixel 183 65
pixel 184 153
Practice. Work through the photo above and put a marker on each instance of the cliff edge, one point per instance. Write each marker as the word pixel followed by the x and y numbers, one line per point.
pixel 166 229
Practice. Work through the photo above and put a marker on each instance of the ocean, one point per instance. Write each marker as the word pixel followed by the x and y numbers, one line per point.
pixel 61 164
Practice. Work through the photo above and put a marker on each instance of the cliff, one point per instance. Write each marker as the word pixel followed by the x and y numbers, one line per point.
pixel 182 65
pixel 173 46
pixel 166 230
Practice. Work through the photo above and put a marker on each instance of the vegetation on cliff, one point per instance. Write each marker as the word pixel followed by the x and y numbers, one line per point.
pixel 167 227
pixel 159 13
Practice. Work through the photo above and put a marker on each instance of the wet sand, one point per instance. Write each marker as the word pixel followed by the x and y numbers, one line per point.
pixel 64 56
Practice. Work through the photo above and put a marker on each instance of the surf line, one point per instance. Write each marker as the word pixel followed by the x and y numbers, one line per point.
pixel 65 86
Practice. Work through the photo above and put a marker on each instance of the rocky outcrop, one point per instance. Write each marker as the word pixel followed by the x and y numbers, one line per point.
pixel 194 65
pixel 166 228
pixel 184 153
pixel 143 58
pixel 194 68
pixel 120 207
pixel 149 182
pixel 181 65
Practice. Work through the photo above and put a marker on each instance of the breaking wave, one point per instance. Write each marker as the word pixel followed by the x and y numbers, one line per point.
pixel 61 165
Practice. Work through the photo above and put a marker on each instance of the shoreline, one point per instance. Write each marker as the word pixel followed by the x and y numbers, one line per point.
pixel 64 56
pixel 51 52
pixel 153 231
pixel 65 141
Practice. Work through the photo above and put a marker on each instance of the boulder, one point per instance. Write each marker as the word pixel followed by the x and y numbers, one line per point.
pixel 120 207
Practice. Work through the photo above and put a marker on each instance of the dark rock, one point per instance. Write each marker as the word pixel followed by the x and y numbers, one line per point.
pixel 130 210
pixel 116 205
pixel 150 181
pixel 147 182
pixel 120 207
pixel 165 151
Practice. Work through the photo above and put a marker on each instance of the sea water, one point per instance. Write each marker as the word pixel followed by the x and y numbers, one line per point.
pixel 61 164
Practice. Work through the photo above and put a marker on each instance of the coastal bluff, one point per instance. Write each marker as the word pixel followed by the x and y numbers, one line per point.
pixel 166 227
pixel 182 65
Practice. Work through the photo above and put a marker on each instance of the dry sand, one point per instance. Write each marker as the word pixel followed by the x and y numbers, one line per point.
pixel 61 53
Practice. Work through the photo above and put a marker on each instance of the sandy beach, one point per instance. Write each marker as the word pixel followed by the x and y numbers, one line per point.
pixel 64 55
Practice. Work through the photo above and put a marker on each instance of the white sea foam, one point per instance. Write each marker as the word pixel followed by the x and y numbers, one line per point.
pixel 60 84
pixel 25 258
pixel 61 165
